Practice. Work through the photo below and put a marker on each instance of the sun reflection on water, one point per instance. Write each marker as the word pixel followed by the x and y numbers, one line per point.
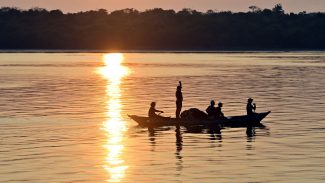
pixel 114 126
pixel 114 71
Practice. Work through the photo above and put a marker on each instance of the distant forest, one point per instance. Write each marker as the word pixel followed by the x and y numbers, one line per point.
pixel 158 29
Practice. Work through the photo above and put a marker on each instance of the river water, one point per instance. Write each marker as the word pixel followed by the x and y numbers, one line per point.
pixel 63 117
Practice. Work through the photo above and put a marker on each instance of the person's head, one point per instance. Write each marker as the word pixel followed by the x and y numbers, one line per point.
pixel 250 100
pixel 212 103
pixel 220 104
pixel 153 104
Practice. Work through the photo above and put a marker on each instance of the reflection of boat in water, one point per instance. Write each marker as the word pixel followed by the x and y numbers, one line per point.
pixel 231 121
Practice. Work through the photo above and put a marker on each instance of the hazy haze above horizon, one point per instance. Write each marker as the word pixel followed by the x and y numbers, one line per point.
pixel 201 5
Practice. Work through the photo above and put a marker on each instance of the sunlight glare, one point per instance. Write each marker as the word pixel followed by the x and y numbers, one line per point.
pixel 113 59
pixel 113 69
pixel 114 126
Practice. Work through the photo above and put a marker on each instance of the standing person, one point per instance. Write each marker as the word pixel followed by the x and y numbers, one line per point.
pixel 179 100
pixel 250 107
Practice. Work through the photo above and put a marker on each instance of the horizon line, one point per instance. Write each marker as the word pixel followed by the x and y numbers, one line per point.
pixel 165 9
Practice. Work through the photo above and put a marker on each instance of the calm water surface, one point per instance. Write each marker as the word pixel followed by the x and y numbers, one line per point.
pixel 63 117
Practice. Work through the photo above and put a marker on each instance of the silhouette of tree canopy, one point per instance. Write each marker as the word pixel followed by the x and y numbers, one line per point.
pixel 255 9
pixel 159 29
pixel 278 9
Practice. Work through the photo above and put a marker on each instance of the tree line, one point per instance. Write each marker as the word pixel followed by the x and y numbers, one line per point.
pixel 158 29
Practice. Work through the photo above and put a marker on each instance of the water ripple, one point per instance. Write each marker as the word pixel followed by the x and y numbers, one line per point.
pixel 53 107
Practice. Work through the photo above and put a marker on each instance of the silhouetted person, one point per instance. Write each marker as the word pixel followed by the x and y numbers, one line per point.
pixel 152 111
pixel 211 110
pixel 179 100
pixel 219 113
pixel 250 107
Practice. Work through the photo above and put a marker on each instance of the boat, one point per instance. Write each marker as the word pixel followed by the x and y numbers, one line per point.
pixel 231 121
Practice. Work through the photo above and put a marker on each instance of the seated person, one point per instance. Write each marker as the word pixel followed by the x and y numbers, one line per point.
pixel 219 113
pixel 152 111
pixel 250 107
pixel 211 110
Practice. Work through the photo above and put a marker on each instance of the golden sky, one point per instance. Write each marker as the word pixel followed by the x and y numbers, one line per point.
pixel 202 5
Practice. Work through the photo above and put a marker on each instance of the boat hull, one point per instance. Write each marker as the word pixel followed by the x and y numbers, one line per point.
pixel 232 121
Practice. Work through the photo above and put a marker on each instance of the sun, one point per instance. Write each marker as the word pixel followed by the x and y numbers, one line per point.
pixel 113 70
pixel 113 59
